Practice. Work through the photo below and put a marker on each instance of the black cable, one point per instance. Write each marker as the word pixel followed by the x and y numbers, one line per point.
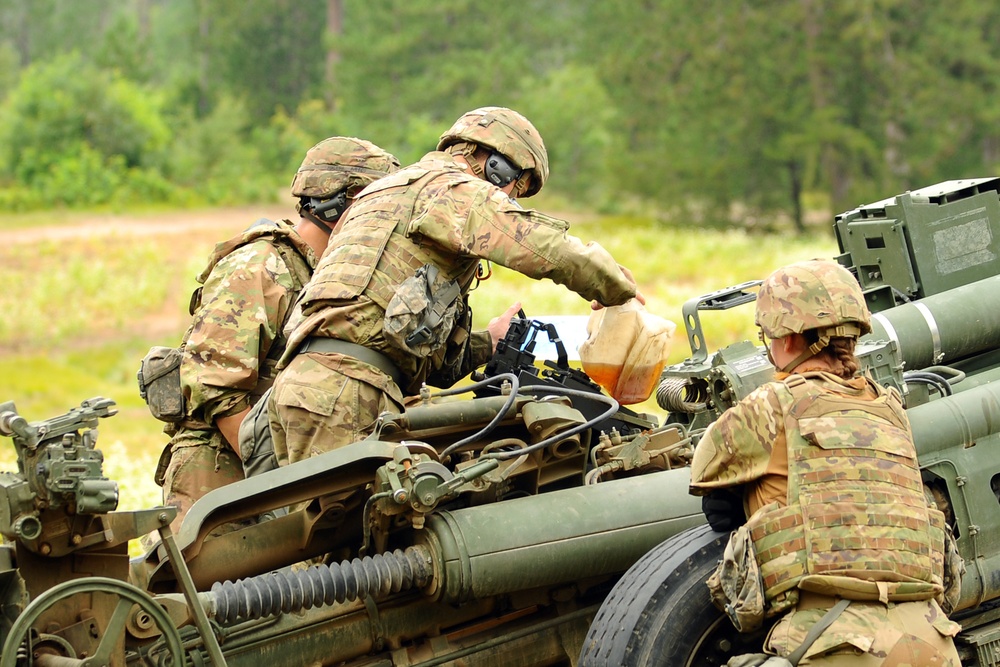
pixel 515 385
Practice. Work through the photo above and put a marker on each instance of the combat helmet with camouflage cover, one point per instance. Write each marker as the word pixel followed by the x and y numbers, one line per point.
pixel 338 166
pixel 508 133
pixel 817 295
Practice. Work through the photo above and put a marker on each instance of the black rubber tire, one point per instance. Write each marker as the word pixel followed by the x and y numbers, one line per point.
pixel 660 612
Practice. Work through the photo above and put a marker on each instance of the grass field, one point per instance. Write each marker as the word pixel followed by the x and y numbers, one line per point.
pixel 85 299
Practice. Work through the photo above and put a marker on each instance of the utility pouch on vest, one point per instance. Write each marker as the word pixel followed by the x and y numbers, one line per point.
pixel 793 659
pixel 736 585
pixel 421 314
pixel 159 379
pixel 256 443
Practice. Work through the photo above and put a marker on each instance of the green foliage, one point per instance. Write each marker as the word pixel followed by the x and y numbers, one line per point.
pixel 213 157
pixel 721 114
pixel 61 294
pixel 76 134
pixel 578 131
pixel 267 53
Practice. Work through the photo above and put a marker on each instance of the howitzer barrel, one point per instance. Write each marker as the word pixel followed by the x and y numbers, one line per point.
pixel 559 537
pixel 448 415
pixel 944 327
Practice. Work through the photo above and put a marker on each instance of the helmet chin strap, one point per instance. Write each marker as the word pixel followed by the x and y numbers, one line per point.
pixel 809 353
pixel 846 330
pixel 467 150
pixel 304 211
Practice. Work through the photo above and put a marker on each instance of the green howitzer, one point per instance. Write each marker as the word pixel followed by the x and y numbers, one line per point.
pixel 536 523
pixel 929 264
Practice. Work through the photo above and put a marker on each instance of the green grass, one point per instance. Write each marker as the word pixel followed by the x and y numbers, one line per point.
pixel 79 315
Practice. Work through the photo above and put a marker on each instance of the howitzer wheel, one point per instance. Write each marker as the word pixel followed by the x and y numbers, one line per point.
pixel 660 612
pixel 128 596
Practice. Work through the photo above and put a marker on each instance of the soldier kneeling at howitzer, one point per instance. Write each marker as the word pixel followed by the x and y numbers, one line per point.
pixel 840 540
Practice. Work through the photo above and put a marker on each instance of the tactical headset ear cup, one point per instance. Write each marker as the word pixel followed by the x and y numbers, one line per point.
pixel 500 171
pixel 330 209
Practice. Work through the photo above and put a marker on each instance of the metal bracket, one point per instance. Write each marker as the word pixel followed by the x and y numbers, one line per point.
pixel 723 299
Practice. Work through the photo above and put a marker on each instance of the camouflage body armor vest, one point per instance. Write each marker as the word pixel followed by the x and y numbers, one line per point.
pixel 857 524
pixel 159 372
pixel 372 254
pixel 294 253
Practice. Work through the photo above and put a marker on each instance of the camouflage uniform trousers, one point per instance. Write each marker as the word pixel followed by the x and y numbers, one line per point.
pixel 870 634
pixel 199 462
pixel 320 402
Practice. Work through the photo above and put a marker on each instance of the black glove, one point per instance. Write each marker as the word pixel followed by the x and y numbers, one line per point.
pixel 724 510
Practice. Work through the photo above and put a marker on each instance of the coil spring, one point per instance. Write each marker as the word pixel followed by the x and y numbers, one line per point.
pixel 288 591
pixel 680 395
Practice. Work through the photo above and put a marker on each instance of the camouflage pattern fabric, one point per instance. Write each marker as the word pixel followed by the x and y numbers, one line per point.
pixel 249 287
pixel 199 463
pixel 736 451
pixel 736 586
pixel 429 213
pixel 248 291
pixel 818 294
pixel 739 450
pixel 507 132
pixel 872 634
pixel 433 212
pixel 425 308
pixel 854 487
pixel 323 401
pixel 337 163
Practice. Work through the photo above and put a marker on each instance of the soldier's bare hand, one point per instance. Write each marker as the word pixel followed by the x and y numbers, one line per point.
pixel 498 325
pixel 628 274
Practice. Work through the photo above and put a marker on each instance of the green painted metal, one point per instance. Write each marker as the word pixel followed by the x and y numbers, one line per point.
pixel 923 242
pixel 561 536
pixel 944 327
pixel 522 551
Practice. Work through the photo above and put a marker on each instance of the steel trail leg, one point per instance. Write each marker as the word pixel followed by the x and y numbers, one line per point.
pixel 190 593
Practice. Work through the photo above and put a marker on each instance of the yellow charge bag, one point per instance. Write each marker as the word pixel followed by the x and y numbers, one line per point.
pixel 626 350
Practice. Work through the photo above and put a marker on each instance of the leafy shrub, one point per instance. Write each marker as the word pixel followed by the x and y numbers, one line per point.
pixel 214 157
pixel 75 134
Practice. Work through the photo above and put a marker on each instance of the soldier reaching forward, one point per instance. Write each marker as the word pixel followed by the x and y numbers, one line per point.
pixel 824 463
pixel 387 308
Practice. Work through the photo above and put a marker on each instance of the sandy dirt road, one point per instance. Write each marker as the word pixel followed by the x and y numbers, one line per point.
pixel 174 223
pixel 180 234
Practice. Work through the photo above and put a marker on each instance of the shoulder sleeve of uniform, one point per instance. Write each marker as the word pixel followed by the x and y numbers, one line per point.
pixel 736 448
pixel 489 225
pixel 244 300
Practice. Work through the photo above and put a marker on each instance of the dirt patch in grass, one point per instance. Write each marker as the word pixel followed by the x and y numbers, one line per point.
pixel 178 241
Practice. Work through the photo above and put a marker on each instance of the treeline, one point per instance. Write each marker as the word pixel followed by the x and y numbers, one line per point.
pixel 715 112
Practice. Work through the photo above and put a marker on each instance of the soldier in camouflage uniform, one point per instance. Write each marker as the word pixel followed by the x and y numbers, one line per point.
pixel 824 464
pixel 386 310
pixel 246 296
